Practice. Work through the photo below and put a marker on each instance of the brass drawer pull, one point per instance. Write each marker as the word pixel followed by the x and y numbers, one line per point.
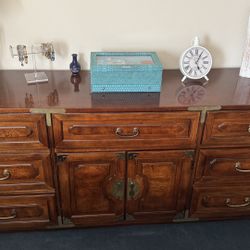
pixel 134 133
pixel 13 215
pixel 249 128
pixel 228 203
pixel 6 174
pixel 239 169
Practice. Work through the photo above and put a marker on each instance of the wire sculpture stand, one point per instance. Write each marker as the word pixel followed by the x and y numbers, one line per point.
pixel 22 53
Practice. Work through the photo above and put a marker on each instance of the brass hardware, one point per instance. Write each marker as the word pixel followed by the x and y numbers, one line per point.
pixel 118 190
pixel 239 169
pixel 120 218
pixel 132 156
pixel 211 163
pixel 61 158
pixel 183 216
pixel 6 175
pixel 249 128
pixel 134 133
pixel 203 110
pixel 129 217
pixel 189 153
pixel 121 156
pixel 47 113
pixel 246 200
pixel 179 216
pixel 12 216
pixel 133 189
pixel 66 221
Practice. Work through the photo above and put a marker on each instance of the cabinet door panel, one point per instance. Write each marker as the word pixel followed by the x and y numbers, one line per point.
pixel 92 187
pixel 158 183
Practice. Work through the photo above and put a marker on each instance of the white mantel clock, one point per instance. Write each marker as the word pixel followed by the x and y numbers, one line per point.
pixel 195 62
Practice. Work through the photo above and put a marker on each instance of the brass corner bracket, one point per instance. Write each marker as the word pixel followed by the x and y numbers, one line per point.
pixel 204 110
pixel 47 113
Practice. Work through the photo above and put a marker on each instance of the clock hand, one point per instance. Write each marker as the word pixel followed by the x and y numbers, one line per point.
pixel 199 57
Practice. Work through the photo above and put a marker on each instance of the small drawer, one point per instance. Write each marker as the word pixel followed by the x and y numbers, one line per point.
pixel 223 165
pixel 25 172
pixel 125 130
pixel 30 211
pixel 23 131
pixel 227 128
pixel 220 202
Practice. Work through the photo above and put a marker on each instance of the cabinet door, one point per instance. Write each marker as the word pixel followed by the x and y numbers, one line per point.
pixel 157 186
pixel 92 187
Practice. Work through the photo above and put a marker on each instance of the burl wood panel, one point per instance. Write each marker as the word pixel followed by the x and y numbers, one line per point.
pixel 92 187
pixel 29 211
pixel 125 130
pixel 23 131
pixel 227 128
pixel 160 181
pixel 22 171
pixel 223 166
pixel 220 202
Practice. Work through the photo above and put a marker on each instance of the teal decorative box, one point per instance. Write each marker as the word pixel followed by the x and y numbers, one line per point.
pixel 125 72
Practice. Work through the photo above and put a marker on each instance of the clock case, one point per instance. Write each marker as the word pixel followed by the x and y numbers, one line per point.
pixel 185 75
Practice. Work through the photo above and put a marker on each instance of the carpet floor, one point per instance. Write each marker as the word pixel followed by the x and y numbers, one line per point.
pixel 223 235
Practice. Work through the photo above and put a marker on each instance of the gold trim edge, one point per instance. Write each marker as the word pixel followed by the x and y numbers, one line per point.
pixel 203 110
pixel 47 113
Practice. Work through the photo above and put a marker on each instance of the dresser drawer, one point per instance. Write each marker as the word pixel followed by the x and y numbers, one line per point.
pixel 227 128
pixel 25 172
pixel 27 211
pixel 220 202
pixel 223 165
pixel 125 130
pixel 23 131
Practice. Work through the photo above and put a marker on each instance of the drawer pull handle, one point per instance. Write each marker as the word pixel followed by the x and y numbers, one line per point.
pixel 134 133
pixel 249 129
pixel 239 169
pixel 228 203
pixel 12 216
pixel 6 175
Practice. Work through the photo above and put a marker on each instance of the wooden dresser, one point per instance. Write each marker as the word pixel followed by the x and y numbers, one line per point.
pixel 71 158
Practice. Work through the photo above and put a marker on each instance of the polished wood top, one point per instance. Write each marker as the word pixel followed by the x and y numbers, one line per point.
pixel 225 88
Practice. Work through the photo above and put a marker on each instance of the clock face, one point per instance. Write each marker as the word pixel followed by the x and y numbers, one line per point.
pixel 196 62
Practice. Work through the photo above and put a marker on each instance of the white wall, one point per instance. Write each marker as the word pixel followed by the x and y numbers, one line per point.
pixel 164 26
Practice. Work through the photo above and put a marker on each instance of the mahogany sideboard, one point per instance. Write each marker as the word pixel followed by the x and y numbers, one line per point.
pixel 72 158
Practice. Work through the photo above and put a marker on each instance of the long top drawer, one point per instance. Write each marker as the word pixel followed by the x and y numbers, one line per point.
pixel 125 130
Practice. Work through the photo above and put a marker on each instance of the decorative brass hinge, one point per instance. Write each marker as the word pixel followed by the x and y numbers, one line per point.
pixel 132 156
pixel 47 113
pixel 129 217
pixel 183 216
pixel 61 158
pixel 66 221
pixel 189 153
pixel 121 156
pixel 203 110
pixel 120 218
